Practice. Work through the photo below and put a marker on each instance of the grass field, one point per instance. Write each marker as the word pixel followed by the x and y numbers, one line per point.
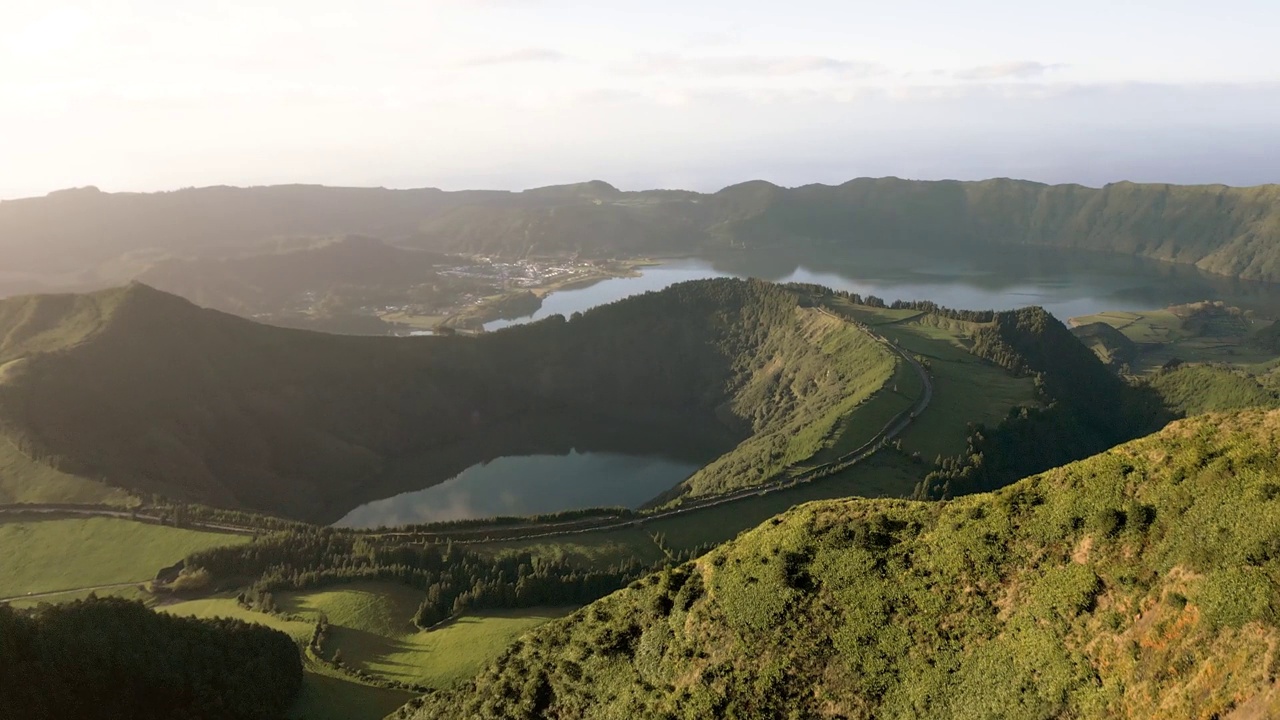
pixel 328 697
pixel 134 591
pixel 965 389
pixel 225 606
pixel 1162 337
pixel 372 624
pixel 867 420
pixel 326 693
pixel 46 554
pixel 23 480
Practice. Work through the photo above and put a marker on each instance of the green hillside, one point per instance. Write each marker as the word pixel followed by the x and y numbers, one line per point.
pixel 154 395
pixel 1110 345
pixel 46 554
pixel 92 236
pixel 1138 583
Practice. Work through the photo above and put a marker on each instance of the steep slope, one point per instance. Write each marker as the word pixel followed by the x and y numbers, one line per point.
pixel 155 395
pixel 1139 583
pixel 1109 344
pixel 1224 230
pixel 1085 408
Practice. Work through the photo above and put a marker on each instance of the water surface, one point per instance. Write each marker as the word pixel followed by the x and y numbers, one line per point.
pixel 1067 283
pixel 529 485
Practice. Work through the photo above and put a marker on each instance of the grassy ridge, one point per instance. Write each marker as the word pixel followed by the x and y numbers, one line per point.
pixel 1138 583
pixel 967 390
pixel 45 555
pixel 811 387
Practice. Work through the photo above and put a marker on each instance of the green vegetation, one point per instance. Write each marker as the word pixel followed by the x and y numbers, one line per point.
pixel 451 581
pixel 966 389
pixel 1201 332
pixel 327 693
pixel 801 390
pixel 225 606
pixel 111 658
pixel 372 625
pixel 327 697
pixel 46 554
pixel 1200 357
pixel 1195 389
pixel 1085 407
pixel 23 480
pixel 1111 346
pixel 1138 583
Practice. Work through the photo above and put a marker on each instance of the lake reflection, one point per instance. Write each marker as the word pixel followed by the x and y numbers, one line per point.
pixel 1066 283
pixel 529 485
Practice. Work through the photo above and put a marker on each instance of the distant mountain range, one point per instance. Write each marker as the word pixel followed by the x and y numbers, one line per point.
pixel 86 236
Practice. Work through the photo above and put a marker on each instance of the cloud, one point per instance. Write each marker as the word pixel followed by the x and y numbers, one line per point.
pixel 515 57
pixel 1015 70
pixel 750 65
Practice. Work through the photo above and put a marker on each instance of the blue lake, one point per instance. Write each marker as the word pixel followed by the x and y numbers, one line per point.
pixel 529 485
pixel 1068 284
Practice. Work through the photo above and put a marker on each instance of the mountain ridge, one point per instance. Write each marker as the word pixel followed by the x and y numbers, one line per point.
pixel 1232 231
pixel 159 396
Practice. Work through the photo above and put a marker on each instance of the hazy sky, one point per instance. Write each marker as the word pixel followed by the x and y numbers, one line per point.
pixel 159 94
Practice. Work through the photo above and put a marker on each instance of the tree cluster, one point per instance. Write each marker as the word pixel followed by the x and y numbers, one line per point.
pixel 110 658
pixel 454 580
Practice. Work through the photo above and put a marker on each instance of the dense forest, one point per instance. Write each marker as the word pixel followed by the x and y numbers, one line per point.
pixel 1138 583
pixel 109 658
pixel 150 393
pixel 100 238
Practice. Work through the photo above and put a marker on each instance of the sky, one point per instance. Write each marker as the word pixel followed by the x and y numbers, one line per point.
pixel 160 94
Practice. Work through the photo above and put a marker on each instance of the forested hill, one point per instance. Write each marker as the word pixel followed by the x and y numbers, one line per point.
pixel 1139 583
pixel 91 235
pixel 155 395
pixel 109 658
